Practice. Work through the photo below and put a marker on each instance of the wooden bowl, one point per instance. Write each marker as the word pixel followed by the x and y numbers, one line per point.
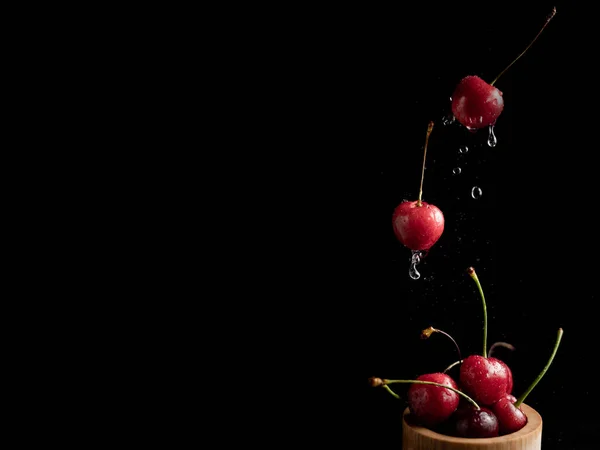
pixel 527 438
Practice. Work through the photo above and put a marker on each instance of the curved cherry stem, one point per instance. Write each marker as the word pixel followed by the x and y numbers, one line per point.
pixel 455 363
pixel 432 383
pixel 526 48
pixel 539 377
pixel 429 129
pixel 427 332
pixel 500 344
pixel 387 388
pixel 471 272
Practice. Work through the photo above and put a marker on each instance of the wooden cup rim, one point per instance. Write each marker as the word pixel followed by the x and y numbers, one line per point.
pixel 534 425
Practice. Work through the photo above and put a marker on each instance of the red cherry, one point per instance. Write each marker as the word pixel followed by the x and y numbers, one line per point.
pixel 511 418
pixel 418 227
pixel 475 103
pixel 431 405
pixel 486 380
pixel 476 423
pixel 509 382
pixel 418 224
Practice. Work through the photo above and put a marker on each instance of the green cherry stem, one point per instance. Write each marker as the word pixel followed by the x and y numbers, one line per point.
pixel 526 48
pixel 471 272
pixel 429 129
pixel 387 388
pixel 539 377
pixel 455 363
pixel 386 382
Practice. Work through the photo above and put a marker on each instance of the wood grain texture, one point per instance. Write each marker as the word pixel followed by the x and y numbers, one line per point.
pixel 527 438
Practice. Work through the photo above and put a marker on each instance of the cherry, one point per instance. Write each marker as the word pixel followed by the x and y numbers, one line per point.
pixel 510 417
pixel 476 103
pixel 432 397
pixel 430 404
pixel 510 377
pixel 417 224
pixel 486 379
pixel 476 423
pixel 508 409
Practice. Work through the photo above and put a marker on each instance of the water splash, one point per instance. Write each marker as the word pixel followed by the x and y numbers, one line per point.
pixel 463 149
pixel 415 260
pixel 456 171
pixel 492 141
pixel 476 192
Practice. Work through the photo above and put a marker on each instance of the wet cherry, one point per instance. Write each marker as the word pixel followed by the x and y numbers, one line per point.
pixel 432 397
pixel 476 423
pixel 476 103
pixel 418 225
pixel 510 417
pixel 432 405
pixel 486 379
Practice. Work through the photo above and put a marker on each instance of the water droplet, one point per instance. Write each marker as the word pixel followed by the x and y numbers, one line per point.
pixel 472 130
pixel 463 149
pixel 415 259
pixel 448 120
pixel 492 141
pixel 456 171
pixel 476 192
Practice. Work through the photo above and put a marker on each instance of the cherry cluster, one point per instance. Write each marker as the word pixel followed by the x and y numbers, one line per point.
pixel 480 404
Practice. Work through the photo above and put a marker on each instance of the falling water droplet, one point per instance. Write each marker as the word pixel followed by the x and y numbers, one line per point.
pixel 492 141
pixel 456 171
pixel 415 259
pixel 463 149
pixel 476 192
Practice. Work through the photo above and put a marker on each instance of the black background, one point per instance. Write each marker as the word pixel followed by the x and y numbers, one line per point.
pixel 367 84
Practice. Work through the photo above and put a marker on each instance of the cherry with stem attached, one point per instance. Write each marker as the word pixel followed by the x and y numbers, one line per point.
pixel 486 379
pixel 428 404
pixel 477 104
pixel 510 416
pixel 418 225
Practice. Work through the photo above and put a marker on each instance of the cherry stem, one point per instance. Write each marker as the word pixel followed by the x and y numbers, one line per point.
pixel 429 129
pixel 452 365
pixel 539 377
pixel 527 48
pixel 473 275
pixel 500 344
pixel 429 331
pixel 387 388
pixel 432 383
